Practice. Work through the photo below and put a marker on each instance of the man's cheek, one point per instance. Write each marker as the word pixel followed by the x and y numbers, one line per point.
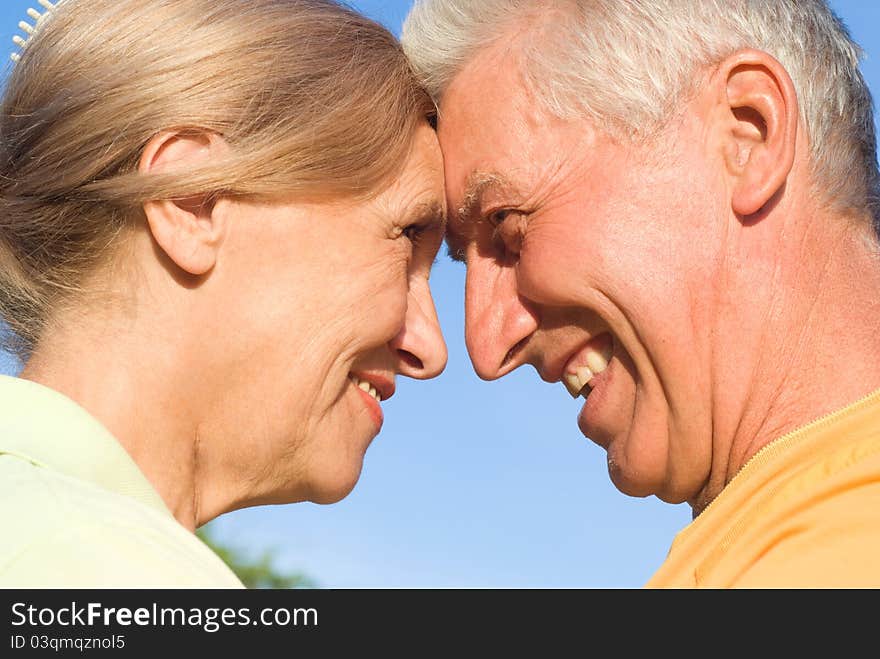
pixel 554 272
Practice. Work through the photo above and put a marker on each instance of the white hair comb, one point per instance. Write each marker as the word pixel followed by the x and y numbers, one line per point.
pixel 29 29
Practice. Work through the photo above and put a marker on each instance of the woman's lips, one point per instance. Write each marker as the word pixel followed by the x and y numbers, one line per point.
pixel 372 391
pixel 373 408
pixel 379 385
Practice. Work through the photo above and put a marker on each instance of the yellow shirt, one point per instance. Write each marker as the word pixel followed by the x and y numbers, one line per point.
pixel 77 512
pixel 804 512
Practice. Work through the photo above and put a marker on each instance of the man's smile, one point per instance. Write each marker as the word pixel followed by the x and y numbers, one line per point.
pixel 582 368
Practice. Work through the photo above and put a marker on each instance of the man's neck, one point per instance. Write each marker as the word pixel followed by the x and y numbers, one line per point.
pixel 807 345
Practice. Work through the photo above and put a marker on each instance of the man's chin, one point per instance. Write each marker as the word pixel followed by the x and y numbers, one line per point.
pixel 634 482
pixel 636 474
pixel 628 483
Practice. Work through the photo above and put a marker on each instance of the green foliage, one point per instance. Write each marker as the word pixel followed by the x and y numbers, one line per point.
pixel 260 572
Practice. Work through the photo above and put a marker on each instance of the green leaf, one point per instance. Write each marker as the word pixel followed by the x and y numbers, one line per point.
pixel 259 572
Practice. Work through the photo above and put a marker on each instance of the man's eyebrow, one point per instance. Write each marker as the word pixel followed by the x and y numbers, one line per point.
pixel 475 188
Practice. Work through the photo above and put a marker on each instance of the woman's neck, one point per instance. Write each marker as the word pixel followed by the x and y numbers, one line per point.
pixel 137 392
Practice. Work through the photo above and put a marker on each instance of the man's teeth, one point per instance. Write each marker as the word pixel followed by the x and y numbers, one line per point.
pixel 579 383
pixel 363 385
pixel 596 361
pixel 575 382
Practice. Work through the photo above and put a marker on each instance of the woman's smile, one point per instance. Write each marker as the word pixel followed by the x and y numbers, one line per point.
pixel 373 389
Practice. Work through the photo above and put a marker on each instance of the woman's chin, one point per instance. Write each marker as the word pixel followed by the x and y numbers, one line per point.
pixel 334 484
pixel 332 493
pixel 330 486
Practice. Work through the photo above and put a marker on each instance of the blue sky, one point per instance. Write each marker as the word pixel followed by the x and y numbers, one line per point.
pixel 472 483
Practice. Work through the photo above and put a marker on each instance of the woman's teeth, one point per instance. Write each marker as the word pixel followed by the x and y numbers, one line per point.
pixel 366 386
pixel 578 383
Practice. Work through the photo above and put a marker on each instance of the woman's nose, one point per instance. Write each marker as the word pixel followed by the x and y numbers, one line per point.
pixel 419 345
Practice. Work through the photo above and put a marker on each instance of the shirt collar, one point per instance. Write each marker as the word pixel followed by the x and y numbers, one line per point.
pixel 47 428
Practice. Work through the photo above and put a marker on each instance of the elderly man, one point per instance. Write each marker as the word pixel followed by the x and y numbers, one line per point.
pixel 670 207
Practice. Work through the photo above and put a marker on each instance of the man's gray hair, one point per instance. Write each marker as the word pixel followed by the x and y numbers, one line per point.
pixel 627 64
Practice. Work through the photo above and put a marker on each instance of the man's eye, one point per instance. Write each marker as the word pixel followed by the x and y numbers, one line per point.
pixel 506 231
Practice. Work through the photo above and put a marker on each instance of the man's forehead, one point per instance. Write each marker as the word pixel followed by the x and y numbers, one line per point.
pixel 486 103
pixel 503 149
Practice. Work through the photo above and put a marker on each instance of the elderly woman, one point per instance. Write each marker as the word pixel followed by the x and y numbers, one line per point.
pixel 217 221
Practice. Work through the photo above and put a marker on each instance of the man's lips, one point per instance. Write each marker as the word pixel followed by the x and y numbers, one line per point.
pixel 601 400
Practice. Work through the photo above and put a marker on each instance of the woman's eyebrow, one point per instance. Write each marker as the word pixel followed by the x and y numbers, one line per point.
pixel 430 213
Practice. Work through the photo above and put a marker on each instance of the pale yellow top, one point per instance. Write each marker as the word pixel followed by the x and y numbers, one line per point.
pixel 804 512
pixel 77 512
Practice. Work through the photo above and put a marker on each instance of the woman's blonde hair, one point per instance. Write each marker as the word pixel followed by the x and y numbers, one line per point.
pixel 314 99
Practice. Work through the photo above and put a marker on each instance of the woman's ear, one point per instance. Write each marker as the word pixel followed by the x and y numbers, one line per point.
pixel 189 231
pixel 761 129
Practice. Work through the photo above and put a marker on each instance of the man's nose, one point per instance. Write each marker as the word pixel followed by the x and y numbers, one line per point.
pixel 419 345
pixel 497 318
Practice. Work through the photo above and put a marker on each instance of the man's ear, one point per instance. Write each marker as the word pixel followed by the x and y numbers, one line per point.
pixel 189 231
pixel 762 113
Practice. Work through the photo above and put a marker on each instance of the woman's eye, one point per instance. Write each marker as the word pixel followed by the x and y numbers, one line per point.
pixel 499 216
pixel 414 233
